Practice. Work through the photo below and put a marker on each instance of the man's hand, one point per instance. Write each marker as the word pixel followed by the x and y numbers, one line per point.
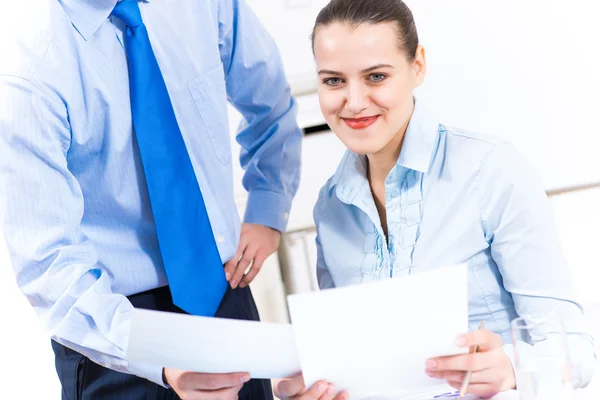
pixel 257 242
pixel 198 386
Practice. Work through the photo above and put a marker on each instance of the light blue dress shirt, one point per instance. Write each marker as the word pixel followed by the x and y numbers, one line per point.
pixel 455 197
pixel 74 206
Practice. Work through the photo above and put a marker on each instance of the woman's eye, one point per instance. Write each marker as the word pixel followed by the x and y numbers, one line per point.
pixel 377 77
pixel 332 81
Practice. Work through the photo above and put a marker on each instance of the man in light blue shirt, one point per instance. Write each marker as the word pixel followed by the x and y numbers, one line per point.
pixel 75 208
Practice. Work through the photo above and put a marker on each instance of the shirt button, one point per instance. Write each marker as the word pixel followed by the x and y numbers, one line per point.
pixel 220 239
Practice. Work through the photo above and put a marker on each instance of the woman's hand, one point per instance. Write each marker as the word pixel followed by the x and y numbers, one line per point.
pixel 293 388
pixel 491 369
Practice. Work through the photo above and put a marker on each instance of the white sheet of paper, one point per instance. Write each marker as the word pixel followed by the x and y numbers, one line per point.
pixel 213 345
pixel 376 337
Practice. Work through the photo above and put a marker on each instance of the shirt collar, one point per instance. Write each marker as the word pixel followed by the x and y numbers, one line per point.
pixel 420 142
pixel 87 16
pixel 351 175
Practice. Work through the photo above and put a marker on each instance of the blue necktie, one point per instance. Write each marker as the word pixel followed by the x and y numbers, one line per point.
pixel 187 244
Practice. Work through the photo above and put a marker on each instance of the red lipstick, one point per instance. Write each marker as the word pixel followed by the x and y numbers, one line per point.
pixel 360 123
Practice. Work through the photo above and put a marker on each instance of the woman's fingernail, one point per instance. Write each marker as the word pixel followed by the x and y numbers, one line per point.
pixel 330 391
pixel 322 386
pixel 461 341
pixel 431 364
pixel 430 373
pixel 245 378
pixel 243 285
pixel 233 283
pixel 227 276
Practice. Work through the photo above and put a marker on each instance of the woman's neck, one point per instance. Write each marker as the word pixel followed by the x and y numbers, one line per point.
pixel 379 166
pixel 381 163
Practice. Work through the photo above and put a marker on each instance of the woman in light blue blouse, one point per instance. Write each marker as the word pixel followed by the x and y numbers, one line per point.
pixel 412 194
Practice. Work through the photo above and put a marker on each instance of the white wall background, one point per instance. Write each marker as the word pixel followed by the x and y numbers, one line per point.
pixel 527 70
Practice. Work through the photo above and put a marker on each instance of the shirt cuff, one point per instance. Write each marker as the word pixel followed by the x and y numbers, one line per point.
pixel 269 209
pixel 150 372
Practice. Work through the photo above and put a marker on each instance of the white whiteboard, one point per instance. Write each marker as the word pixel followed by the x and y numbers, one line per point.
pixel 526 70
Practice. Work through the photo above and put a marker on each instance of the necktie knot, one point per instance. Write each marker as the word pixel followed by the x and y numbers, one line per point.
pixel 128 11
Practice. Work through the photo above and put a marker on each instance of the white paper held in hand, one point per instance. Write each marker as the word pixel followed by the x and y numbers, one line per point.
pixel 212 345
pixel 376 337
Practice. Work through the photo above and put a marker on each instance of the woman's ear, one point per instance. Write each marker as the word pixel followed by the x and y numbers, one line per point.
pixel 419 66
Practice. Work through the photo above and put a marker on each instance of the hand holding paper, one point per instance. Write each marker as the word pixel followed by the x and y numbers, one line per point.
pixel 377 337
pixel 490 368
pixel 369 340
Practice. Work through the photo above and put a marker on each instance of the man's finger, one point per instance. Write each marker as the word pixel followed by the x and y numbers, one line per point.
pixel 221 394
pixel 201 381
pixel 231 264
pixel 257 264
pixel 242 265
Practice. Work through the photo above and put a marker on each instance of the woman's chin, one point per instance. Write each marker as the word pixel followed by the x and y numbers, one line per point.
pixel 364 148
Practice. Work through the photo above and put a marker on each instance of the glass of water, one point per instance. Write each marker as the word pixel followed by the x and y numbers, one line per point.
pixel 542 364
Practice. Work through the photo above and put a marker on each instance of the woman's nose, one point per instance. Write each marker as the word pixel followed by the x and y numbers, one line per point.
pixel 358 99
